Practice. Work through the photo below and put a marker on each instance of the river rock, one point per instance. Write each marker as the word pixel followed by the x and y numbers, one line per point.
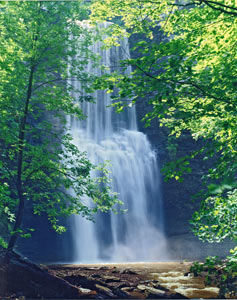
pixel 95 275
pixel 87 291
pixel 121 294
pixel 117 284
pixel 127 271
pixel 110 278
pixel 151 290
pixel 146 281
pixel 141 287
pixel 103 268
pixel 114 270
pixel 105 290
pixel 137 294
pixel 126 289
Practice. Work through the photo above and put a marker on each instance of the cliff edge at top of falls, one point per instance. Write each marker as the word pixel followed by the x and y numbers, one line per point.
pixel 21 279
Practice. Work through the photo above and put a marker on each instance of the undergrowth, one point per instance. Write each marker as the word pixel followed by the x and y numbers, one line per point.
pixel 222 273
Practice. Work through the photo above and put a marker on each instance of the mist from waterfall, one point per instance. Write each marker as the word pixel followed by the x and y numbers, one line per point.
pixel 135 235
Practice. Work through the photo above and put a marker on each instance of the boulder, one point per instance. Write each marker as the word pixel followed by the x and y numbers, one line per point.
pixel 20 276
pixel 151 290
pixel 105 290
pixel 127 271
pixel 110 278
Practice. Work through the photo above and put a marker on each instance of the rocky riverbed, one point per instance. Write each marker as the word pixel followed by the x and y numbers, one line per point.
pixel 22 279
pixel 168 280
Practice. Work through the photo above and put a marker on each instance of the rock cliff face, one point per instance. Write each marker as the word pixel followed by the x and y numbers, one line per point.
pixel 45 245
pixel 178 202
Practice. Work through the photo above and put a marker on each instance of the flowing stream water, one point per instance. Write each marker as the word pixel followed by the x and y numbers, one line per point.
pixel 135 235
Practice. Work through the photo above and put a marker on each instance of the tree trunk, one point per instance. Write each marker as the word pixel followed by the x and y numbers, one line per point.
pixel 21 139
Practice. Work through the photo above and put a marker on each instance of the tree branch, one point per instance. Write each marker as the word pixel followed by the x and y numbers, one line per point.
pixel 204 92
pixel 220 4
pixel 53 80
pixel 209 3
pixel 212 4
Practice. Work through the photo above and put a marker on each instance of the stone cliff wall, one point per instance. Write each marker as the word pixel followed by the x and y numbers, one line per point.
pixel 178 201
pixel 179 205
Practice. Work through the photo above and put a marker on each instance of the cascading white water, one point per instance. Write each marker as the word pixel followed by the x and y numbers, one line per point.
pixel 136 235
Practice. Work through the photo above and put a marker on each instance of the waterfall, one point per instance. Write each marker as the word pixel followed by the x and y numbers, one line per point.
pixel 135 235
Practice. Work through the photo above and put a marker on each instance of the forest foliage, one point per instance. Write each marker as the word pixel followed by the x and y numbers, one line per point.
pixel 188 76
pixel 39 163
pixel 186 70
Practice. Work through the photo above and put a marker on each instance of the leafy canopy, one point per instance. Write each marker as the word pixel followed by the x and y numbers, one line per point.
pixel 39 164
pixel 185 68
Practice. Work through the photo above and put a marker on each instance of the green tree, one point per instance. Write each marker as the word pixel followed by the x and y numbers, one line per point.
pixel 39 162
pixel 189 79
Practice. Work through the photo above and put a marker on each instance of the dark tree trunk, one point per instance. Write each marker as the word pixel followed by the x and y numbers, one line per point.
pixel 21 139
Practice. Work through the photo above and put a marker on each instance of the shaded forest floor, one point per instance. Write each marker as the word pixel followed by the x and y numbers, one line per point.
pixel 21 279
